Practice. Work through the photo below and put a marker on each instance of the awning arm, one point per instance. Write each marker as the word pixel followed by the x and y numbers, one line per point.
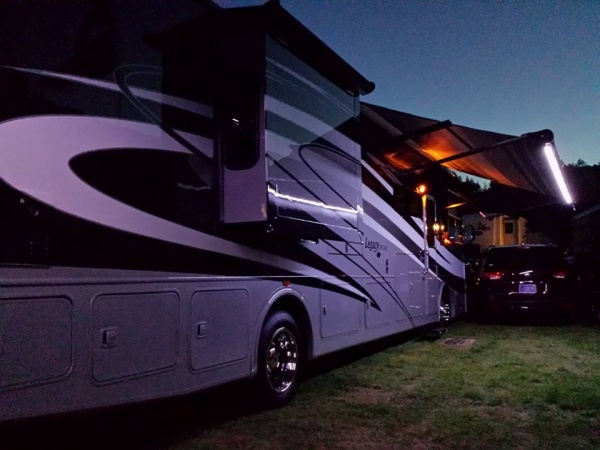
pixel 460 139
pixel 543 136
pixel 389 173
pixel 401 138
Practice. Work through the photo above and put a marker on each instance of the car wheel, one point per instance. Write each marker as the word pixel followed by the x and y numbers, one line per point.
pixel 279 359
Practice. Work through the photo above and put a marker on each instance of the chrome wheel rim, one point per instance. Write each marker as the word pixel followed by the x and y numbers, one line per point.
pixel 445 312
pixel 282 360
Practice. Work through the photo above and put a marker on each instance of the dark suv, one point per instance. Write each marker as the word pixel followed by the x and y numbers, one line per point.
pixel 525 278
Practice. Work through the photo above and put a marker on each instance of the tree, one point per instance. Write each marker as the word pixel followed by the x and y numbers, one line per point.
pixel 469 187
pixel 584 183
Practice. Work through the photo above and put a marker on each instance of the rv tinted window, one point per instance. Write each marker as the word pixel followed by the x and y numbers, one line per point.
pixel 313 164
pixel 171 185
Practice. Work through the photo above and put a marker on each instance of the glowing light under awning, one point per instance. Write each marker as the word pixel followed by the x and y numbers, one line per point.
pixel 550 153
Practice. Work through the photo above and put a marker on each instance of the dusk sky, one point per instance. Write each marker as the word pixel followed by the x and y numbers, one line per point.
pixel 507 66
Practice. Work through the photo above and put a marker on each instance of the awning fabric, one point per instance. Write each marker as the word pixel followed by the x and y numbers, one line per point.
pixel 394 137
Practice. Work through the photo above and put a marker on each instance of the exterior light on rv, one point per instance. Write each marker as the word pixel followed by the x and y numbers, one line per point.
pixel 553 163
pixel 438 229
pixel 421 189
pixel 455 205
pixel 304 201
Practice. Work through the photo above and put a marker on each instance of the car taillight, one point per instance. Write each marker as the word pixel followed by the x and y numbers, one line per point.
pixel 492 275
pixel 560 274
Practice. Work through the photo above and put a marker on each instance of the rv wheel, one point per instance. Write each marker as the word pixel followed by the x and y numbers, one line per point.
pixel 279 359
pixel 445 311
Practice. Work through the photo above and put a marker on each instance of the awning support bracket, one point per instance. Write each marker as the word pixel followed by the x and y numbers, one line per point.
pixel 401 138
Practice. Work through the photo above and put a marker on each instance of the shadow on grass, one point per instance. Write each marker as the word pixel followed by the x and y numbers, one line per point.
pixel 348 356
pixel 164 423
pixel 149 425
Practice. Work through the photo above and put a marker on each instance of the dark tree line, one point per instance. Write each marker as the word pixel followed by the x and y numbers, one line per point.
pixel 584 182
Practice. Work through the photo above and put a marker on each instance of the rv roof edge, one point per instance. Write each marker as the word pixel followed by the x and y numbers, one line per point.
pixel 280 24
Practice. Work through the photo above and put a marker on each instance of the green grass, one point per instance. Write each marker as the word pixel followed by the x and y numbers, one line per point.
pixel 516 387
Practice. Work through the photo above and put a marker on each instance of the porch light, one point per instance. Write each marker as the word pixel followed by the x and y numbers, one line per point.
pixel 421 189
pixel 553 163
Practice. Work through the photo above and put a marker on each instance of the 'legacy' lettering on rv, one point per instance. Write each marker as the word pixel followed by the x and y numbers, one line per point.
pixel 374 245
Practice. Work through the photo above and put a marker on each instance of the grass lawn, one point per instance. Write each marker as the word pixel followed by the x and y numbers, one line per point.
pixel 516 386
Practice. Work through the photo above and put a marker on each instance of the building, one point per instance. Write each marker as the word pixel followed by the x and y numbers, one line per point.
pixel 497 229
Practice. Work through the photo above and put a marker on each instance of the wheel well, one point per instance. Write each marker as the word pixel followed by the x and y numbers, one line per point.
pixel 294 307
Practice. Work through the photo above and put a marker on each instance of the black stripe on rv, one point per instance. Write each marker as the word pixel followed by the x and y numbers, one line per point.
pixel 394 230
pixel 435 254
pixel 299 253
pixel 385 284
pixel 99 96
pixel 370 181
pixel 54 238
pixel 453 280
pixel 389 289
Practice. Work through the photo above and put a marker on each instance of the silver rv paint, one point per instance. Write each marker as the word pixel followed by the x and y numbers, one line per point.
pixel 125 277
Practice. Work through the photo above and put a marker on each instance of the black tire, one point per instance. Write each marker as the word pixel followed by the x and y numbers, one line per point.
pixel 279 360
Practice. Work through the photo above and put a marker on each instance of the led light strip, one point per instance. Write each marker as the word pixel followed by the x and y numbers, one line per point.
pixel 314 203
pixel 553 162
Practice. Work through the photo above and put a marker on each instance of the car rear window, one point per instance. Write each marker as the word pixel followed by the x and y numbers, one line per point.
pixel 519 258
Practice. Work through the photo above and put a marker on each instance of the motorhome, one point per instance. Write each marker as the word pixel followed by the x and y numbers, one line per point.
pixel 185 201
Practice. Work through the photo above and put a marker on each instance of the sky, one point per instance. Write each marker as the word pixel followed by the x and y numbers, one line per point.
pixel 512 66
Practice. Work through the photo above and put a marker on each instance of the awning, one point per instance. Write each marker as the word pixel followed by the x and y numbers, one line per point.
pixel 409 143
